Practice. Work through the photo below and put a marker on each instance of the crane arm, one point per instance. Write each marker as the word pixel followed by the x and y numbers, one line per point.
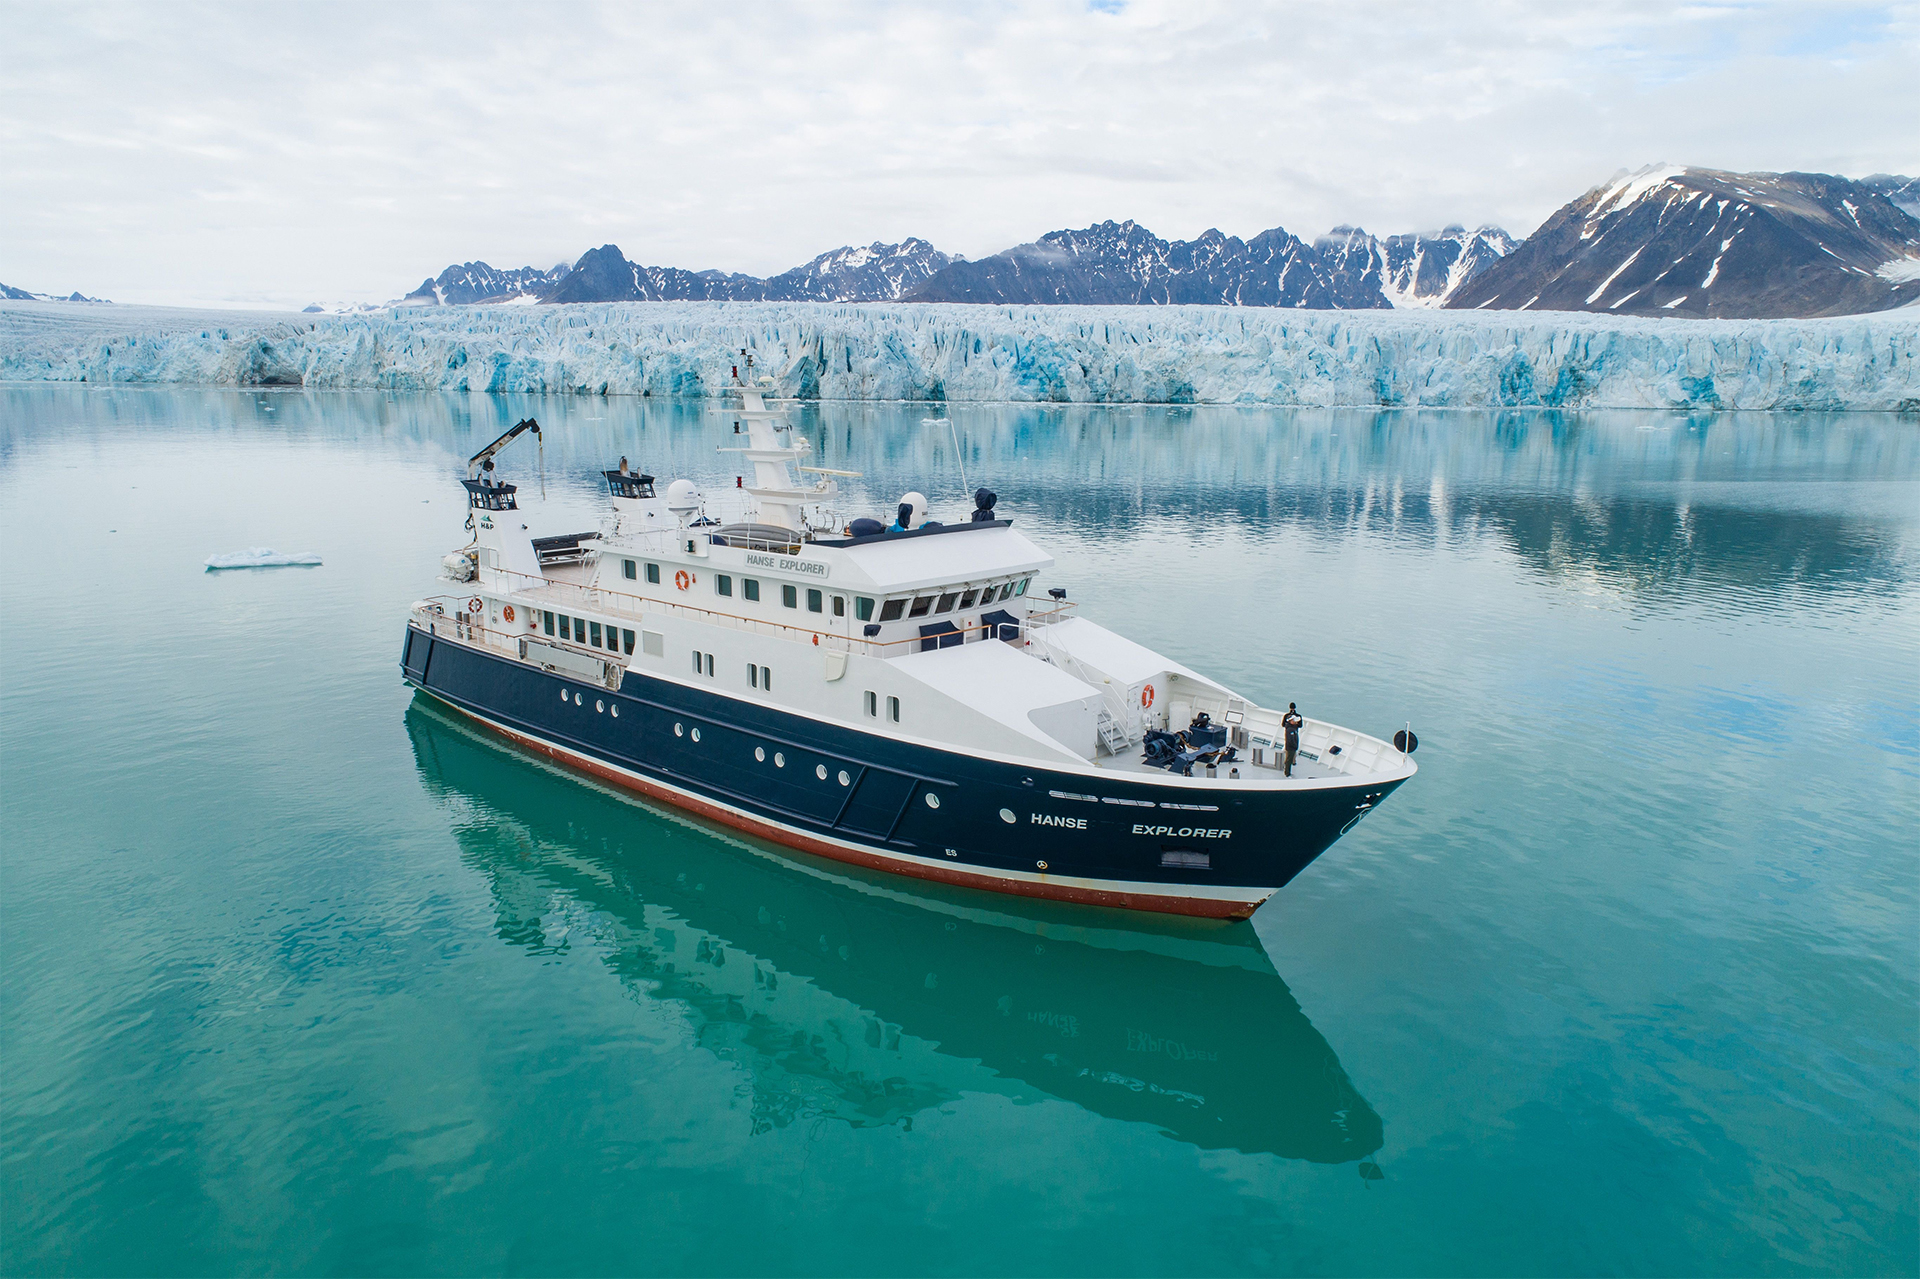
pixel 512 433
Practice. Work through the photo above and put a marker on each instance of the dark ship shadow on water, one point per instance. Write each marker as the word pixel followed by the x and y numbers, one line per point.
pixel 868 999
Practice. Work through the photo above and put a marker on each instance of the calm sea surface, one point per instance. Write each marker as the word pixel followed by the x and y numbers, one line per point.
pixel 299 976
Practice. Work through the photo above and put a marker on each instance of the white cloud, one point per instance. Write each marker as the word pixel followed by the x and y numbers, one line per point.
pixel 296 152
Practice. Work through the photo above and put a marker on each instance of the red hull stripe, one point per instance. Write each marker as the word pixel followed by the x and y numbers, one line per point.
pixel 1203 907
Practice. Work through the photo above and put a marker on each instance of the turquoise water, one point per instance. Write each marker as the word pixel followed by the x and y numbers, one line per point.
pixel 297 975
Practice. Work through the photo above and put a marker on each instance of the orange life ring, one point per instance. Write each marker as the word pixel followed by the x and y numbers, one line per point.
pixel 474 605
pixel 507 612
pixel 683 579
pixel 1146 695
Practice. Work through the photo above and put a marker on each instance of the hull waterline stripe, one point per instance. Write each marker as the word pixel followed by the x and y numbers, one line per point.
pixel 1223 903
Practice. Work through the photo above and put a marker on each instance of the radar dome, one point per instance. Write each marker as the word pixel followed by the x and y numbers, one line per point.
pixel 683 496
pixel 918 501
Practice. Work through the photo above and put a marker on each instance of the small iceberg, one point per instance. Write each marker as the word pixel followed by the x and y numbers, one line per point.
pixel 260 557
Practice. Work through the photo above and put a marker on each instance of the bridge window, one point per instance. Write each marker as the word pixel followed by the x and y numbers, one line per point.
pixel 920 606
pixel 893 610
pixel 814 599
pixel 722 584
pixel 750 589
pixel 626 641
pixel 653 574
pixel 863 608
pixel 627 570
pixel 947 602
pixel 546 617
pixel 790 597
pixel 594 627
pixel 1006 592
pixel 1022 590
pixel 966 601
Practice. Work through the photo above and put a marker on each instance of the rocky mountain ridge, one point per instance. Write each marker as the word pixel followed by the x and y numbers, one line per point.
pixel 1677 241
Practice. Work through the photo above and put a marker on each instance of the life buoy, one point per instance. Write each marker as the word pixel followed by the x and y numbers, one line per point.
pixel 507 612
pixel 1146 696
pixel 683 579
pixel 474 605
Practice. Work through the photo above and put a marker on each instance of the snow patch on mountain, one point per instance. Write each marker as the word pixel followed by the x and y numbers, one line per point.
pixel 1178 354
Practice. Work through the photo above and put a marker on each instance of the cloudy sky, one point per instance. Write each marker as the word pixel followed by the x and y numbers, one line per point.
pixel 275 154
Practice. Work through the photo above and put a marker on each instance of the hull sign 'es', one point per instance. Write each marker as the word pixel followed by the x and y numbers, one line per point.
pixel 894 692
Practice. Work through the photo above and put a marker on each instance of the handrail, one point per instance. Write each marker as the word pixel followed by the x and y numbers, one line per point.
pixel 607 599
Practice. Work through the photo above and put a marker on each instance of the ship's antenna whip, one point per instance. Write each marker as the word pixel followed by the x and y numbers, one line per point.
pixel 958 457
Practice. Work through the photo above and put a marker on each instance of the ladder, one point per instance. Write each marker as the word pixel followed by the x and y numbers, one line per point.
pixel 1112 736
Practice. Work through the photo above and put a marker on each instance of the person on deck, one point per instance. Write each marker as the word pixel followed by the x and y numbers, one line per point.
pixel 1292 722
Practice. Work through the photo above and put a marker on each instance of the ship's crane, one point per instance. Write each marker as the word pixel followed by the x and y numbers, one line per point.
pixel 485 455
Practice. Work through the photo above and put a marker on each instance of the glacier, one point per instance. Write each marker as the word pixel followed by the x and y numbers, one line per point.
pixel 935 352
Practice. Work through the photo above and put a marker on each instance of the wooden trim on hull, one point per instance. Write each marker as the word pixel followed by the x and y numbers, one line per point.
pixel 1038 886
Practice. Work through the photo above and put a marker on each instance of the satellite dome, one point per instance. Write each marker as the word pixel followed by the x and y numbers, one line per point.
pixel 683 496
pixel 918 501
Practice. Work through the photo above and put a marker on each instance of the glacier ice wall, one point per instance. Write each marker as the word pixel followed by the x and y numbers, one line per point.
pixel 1199 355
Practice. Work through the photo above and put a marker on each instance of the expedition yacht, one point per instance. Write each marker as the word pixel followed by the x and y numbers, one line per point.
pixel 902 696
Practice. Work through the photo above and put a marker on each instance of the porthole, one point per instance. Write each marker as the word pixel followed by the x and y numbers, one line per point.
pixel 564 694
pixel 578 700
pixel 1006 815
pixel 599 706
pixel 614 710
pixel 820 771
pixel 779 760
pixel 679 730
pixel 933 800
pixel 844 779
pixel 696 734
pixel 760 754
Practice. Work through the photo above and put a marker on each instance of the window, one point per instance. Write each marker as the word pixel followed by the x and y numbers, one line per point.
pixel 891 612
pixel 653 574
pixel 839 606
pixel 722 584
pixel 1022 588
pixel 627 571
pixel 766 679
pixel 863 608
pixel 594 627
pixel 613 639
pixel 920 606
pixel 750 589
pixel 1006 591
pixel 873 704
pixel 696 662
pixel 966 601
pixel 893 709
pixel 790 597
pixel 813 600
pixel 579 630
pixel 753 675
pixel 546 617
pixel 653 643
pixel 626 642
pixel 709 665
pixel 947 602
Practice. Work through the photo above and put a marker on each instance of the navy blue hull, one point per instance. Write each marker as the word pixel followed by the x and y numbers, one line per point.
pixel 866 798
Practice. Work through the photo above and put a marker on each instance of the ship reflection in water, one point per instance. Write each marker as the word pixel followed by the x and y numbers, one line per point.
pixel 868 1000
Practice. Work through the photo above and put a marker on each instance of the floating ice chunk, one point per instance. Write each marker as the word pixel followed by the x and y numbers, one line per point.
pixel 261 557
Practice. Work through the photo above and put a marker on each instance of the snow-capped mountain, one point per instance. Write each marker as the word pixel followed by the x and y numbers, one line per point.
pixel 1426 270
pixel 1700 242
pixel 1123 263
pixel 472 282
pixel 1902 190
pixel 12 294
pixel 876 273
